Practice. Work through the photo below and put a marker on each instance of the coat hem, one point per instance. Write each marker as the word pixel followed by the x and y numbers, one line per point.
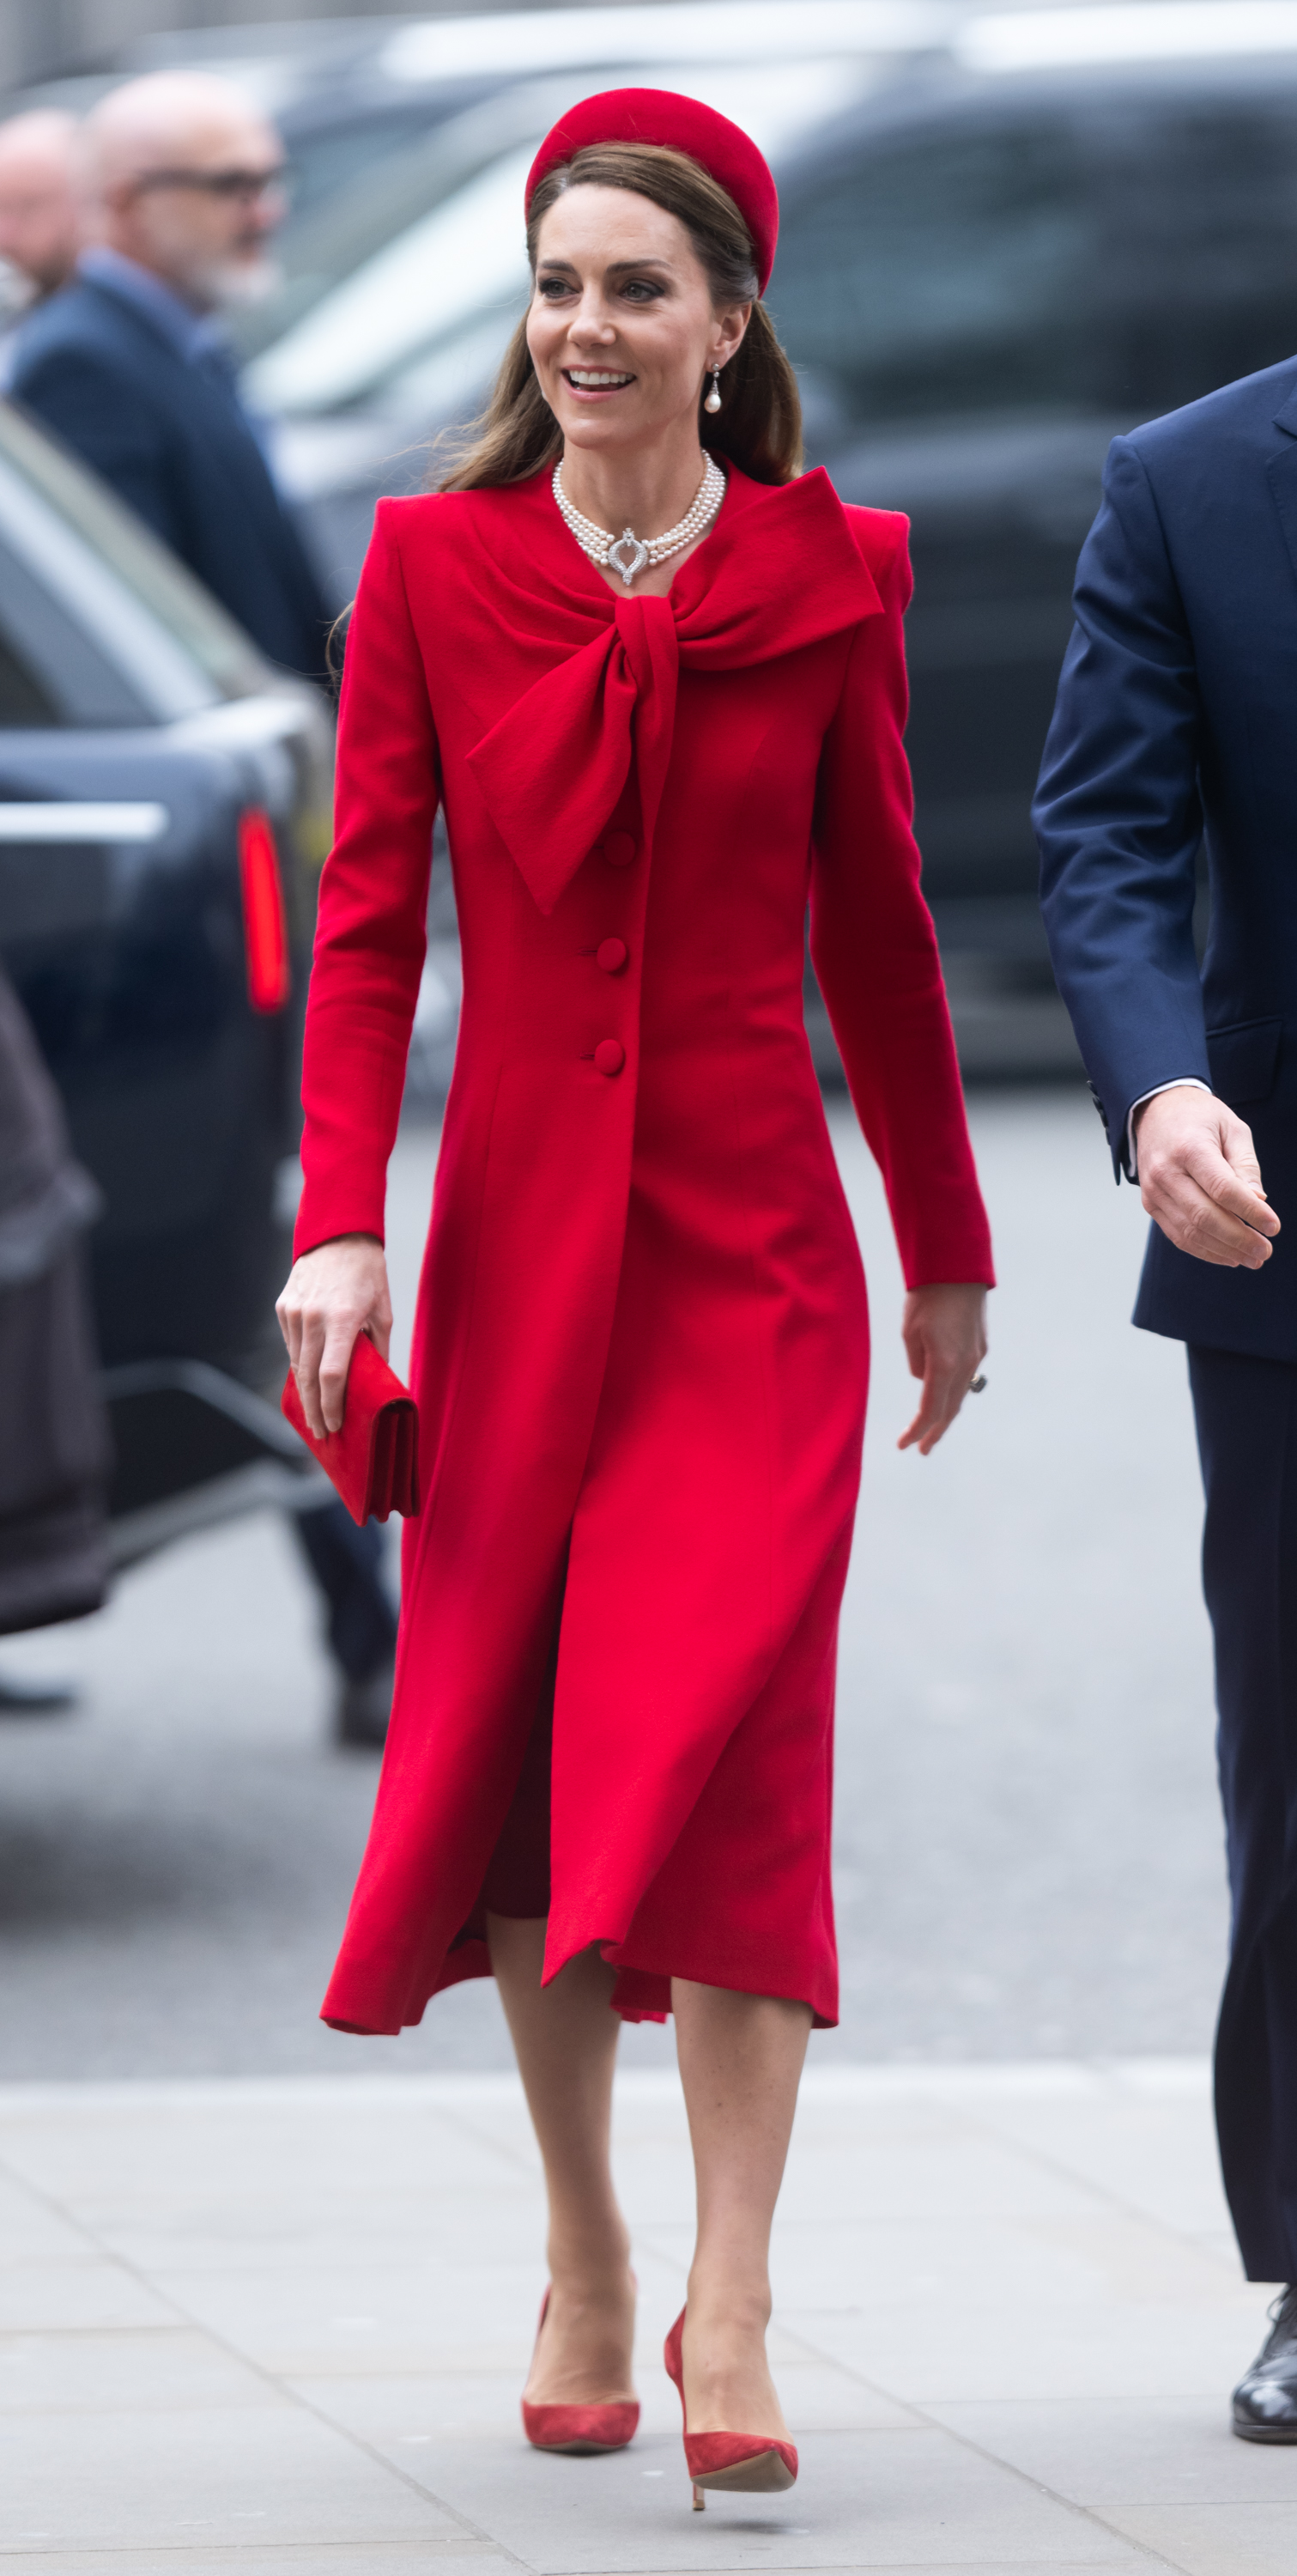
pixel 642 1991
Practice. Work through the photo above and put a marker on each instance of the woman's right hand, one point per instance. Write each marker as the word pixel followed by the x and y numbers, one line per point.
pixel 331 1295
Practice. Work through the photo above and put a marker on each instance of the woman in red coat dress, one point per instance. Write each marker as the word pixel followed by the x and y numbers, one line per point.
pixel 641 1349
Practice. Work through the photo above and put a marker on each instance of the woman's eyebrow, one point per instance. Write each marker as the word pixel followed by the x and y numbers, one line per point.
pixel 615 268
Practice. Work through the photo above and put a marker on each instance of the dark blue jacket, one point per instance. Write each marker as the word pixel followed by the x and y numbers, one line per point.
pixel 173 441
pixel 1177 719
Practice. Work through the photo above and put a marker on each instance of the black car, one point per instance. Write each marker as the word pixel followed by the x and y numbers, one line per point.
pixel 164 810
pixel 983 281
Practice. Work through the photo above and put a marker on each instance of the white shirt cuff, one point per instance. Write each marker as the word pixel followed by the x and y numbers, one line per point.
pixel 1178 1082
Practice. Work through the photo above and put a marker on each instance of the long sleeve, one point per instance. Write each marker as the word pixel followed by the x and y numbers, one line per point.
pixel 1117 811
pixel 370 938
pixel 875 953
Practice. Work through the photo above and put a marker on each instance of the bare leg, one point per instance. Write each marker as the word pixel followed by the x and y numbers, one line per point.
pixel 566 2038
pixel 740 2063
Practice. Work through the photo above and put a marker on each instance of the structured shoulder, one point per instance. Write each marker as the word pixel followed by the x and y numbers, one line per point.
pixel 412 512
pixel 1235 415
pixel 881 536
pixel 882 540
pixel 71 325
pixel 458 522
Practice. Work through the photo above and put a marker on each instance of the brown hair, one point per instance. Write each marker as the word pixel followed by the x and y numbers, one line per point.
pixel 760 424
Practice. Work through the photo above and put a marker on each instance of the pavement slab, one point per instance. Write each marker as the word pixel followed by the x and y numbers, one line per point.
pixel 277 2324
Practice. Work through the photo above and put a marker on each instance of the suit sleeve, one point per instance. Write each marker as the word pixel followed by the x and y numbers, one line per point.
pixel 875 953
pixel 97 412
pixel 1117 811
pixel 370 935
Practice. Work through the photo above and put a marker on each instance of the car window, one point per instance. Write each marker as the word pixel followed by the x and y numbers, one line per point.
pixel 939 272
pixel 329 157
pixel 1124 255
pixel 1205 194
pixel 175 648
pixel 52 670
pixel 355 187
pixel 23 701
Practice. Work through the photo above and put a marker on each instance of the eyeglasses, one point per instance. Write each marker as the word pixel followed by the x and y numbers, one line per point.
pixel 233 186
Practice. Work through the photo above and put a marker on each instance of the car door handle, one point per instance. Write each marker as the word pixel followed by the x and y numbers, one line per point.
pixel 56 821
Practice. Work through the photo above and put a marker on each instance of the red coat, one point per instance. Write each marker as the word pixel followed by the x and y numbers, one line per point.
pixel 641 1350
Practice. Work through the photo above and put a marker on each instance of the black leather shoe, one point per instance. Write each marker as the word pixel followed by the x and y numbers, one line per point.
pixel 363 1711
pixel 1265 2400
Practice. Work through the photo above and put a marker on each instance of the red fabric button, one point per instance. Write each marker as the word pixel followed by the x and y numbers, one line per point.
pixel 611 955
pixel 618 848
pixel 609 1056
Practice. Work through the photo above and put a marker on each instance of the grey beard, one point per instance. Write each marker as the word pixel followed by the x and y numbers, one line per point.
pixel 232 282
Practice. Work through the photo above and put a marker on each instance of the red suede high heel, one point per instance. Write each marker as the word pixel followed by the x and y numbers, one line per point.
pixel 578 2429
pixel 746 2463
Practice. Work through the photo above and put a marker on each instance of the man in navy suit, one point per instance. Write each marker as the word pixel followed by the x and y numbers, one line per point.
pixel 183 182
pixel 1175 730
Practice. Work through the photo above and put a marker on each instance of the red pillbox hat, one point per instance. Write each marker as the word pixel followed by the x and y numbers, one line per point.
pixel 665 116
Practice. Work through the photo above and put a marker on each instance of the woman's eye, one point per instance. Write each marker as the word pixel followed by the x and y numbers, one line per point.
pixel 552 287
pixel 642 289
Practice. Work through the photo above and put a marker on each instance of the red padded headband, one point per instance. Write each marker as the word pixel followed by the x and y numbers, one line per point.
pixel 664 116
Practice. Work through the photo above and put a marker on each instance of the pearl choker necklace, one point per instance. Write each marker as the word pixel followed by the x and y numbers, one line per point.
pixel 628 554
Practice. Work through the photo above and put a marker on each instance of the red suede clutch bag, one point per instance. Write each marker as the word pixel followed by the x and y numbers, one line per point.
pixel 374 1459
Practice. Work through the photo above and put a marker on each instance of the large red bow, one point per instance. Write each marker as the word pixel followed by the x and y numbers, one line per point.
pixel 779 575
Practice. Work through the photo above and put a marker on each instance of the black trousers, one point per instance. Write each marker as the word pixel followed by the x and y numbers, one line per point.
pixel 347 1564
pixel 1246 1412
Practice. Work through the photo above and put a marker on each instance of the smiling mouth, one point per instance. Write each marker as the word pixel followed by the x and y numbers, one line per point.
pixel 596 379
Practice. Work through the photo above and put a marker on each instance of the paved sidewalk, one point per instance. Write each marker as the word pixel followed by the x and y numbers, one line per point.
pixel 283 2325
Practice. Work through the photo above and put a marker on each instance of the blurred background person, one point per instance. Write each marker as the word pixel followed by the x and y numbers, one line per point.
pixel 40 212
pixel 182 186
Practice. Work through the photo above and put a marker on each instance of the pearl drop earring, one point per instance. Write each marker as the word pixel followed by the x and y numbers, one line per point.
pixel 713 399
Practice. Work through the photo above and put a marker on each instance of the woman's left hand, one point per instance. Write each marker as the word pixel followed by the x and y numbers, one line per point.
pixel 944 1332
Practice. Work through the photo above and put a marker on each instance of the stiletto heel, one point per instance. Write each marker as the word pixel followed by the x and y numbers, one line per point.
pixel 578 2430
pixel 744 2463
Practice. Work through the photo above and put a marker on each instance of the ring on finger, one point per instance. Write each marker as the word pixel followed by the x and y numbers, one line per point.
pixel 977 1385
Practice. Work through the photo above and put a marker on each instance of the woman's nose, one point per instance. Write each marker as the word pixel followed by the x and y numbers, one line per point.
pixel 590 324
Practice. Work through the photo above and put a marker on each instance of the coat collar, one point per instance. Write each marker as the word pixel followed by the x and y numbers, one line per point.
pixel 192 337
pixel 780 570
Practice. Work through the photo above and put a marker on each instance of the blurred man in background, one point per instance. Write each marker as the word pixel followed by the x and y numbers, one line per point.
pixel 40 215
pixel 182 187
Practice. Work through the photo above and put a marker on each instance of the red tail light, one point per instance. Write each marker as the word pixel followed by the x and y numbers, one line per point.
pixel 265 933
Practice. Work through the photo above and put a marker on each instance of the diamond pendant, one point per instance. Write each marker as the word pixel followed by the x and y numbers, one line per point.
pixel 639 555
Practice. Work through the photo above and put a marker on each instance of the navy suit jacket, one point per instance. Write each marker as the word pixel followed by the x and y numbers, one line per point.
pixel 1177 721
pixel 173 441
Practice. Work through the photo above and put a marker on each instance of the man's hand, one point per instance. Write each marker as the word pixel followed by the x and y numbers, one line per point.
pixel 944 1332
pixel 1200 1179
pixel 331 1295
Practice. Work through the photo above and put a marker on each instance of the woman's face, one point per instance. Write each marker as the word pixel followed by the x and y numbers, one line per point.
pixel 622 328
